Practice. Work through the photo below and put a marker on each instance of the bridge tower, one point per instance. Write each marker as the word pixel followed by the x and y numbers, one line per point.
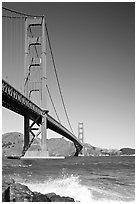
pixel 81 134
pixel 35 79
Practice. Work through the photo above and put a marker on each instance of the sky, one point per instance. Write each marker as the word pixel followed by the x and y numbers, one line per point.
pixel 94 50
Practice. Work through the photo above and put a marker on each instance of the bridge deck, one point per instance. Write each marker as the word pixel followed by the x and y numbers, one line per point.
pixel 15 101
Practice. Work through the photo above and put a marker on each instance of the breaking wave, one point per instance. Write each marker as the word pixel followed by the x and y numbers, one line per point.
pixel 65 186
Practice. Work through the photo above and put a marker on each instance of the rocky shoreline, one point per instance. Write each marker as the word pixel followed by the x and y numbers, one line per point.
pixel 16 192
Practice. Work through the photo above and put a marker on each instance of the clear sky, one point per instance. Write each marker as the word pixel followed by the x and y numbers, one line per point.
pixel 94 47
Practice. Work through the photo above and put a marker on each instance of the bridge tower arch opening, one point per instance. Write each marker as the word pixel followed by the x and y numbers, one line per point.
pixel 35 81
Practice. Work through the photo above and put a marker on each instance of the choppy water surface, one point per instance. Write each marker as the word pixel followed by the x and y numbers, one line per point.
pixel 83 178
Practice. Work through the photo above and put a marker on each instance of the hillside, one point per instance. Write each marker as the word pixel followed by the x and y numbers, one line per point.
pixel 12 144
pixel 96 151
pixel 127 151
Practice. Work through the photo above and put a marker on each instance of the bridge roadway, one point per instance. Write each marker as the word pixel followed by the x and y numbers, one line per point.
pixel 15 101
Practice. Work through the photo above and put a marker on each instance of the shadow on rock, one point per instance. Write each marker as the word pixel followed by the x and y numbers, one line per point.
pixel 16 192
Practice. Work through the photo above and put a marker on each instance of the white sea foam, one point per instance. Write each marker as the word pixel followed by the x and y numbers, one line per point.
pixel 65 186
pixel 20 165
pixel 70 185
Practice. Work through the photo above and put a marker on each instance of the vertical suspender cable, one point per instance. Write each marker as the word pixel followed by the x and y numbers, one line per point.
pixel 53 104
pixel 57 78
pixel 52 60
pixel 10 38
pixel 5 42
pixel 15 45
pixel 20 41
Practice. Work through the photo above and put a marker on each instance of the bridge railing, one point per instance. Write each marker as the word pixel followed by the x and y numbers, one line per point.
pixel 13 93
pixel 62 128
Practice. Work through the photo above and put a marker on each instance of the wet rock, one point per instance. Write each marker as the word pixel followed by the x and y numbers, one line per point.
pixel 57 198
pixel 6 182
pixel 6 194
pixel 20 193
pixel 68 199
pixel 49 195
pixel 16 192
pixel 38 197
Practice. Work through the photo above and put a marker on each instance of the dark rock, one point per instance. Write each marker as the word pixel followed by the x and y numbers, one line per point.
pixel 38 197
pixel 7 181
pixel 57 198
pixel 68 199
pixel 16 192
pixel 6 194
pixel 49 195
pixel 20 193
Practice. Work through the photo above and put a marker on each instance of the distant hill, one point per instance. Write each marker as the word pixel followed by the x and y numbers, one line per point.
pixel 127 151
pixel 90 150
pixel 12 144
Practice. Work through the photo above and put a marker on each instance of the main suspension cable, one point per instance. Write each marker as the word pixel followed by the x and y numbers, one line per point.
pixel 25 15
pixel 57 78
pixel 53 103
pixel 20 13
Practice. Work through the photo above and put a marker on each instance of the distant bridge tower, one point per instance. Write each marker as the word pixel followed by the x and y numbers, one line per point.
pixel 35 77
pixel 81 134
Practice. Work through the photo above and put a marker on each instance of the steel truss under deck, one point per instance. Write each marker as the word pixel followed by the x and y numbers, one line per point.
pixel 17 102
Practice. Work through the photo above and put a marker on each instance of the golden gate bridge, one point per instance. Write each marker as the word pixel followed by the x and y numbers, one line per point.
pixel 31 32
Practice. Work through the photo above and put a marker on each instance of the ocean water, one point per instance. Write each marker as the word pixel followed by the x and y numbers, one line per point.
pixel 85 179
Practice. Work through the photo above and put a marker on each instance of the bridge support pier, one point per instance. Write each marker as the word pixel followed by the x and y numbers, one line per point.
pixel 78 149
pixel 36 59
pixel 44 149
pixel 26 131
